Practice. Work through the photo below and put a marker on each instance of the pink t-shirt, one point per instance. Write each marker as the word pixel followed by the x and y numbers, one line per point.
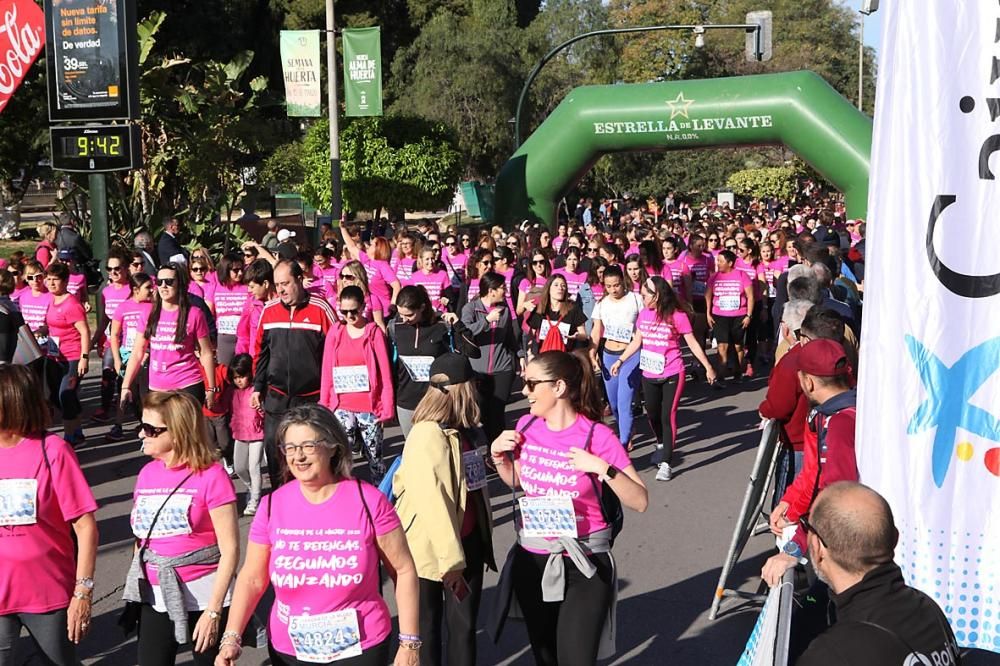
pixel 33 308
pixel 674 272
pixel 246 422
pixel 324 557
pixel 545 469
pixel 404 267
pixel 171 365
pixel 60 319
pixel 573 280
pixel 114 294
pixel 15 297
pixel 729 297
pixel 39 564
pixel 77 286
pixel 753 273
pixel 185 524
pixel 434 282
pixel 230 302
pixel 455 264
pixel 330 276
pixel 380 277
pixel 133 317
pixel 701 269
pixel 662 339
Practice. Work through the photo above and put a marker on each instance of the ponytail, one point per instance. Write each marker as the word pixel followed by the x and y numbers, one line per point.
pixel 575 370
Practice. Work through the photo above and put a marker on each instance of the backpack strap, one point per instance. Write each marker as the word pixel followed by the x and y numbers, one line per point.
pixel 592 477
pixel 513 472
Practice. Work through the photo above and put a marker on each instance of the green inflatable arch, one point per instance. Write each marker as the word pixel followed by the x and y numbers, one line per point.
pixel 797 109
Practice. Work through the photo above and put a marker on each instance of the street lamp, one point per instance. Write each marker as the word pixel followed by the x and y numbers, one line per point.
pixel 867 7
pixel 757 27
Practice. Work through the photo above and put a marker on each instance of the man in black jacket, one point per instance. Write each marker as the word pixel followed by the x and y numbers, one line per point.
pixel 880 620
pixel 168 248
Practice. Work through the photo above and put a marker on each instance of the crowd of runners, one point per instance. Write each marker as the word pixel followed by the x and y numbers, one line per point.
pixel 257 377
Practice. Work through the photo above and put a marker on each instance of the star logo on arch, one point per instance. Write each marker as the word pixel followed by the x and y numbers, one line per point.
pixel 947 406
pixel 680 106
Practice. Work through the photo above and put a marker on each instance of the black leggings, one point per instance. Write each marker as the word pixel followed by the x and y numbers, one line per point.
pixel 377 655
pixel 438 607
pixel 566 632
pixel 662 397
pixel 157 646
pixel 47 630
pixel 494 392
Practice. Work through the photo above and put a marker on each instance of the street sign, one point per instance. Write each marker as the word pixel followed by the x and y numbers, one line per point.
pixel 96 148
pixel 91 60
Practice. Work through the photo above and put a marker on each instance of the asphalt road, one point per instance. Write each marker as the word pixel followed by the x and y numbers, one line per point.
pixel 668 559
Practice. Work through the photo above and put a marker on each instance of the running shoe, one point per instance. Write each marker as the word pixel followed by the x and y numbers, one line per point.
pixel 115 434
pixel 664 473
pixel 102 415
pixel 77 438
pixel 658 454
pixel 251 508
pixel 229 469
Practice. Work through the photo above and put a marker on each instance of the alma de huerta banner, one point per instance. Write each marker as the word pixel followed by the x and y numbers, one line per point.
pixel 363 71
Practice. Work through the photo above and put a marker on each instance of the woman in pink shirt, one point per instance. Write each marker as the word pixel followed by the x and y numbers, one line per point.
pixel 406 257
pixel 729 298
pixel 536 274
pixel 200 285
pixel 431 278
pixel 564 458
pixel 46 251
pixel 173 333
pixel 66 326
pixel 356 384
pixel 187 538
pixel 35 303
pixel 76 283
pixel 228 301
pixel 126 325
pixel 658 332
pixel 317 540
pixel 109 298
pixel 574 278
pixel 382 280
pixel 353 273
pixel 46 580
pixel 454 259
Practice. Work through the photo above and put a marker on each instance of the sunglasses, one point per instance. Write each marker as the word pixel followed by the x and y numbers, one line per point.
pixel 807 526
pixel 730 247
pixel 451 244
pixel 113 269
pixel 466 240
pixel 137 264
pixel 591 250
pixel 166 282
pixel 148 430
pixel 538 262
pixel 236 269
pixel 198 269
pixel 486 263
pixel 713 240
pixel 532 384
pixel 32 278
pixel 350 312
pixel 348 278
pixel 248 255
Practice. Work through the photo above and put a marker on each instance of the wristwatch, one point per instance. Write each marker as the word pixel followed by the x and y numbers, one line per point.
pixel 793 549
pixel 87 583
pixel 213 615
pixel 611 473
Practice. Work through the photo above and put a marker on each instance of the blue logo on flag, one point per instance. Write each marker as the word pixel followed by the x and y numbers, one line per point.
pixel 947 406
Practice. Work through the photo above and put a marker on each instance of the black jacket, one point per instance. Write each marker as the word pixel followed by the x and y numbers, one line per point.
pixel 434 340
pixel 880 622
pixel 167 247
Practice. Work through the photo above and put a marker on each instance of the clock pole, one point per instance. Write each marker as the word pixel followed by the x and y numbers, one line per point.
pixel 99 218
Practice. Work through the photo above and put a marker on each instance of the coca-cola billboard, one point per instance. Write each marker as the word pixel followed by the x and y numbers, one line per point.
pixel 22 38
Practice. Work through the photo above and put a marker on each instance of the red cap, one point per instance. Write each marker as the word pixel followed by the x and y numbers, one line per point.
pixel 823 358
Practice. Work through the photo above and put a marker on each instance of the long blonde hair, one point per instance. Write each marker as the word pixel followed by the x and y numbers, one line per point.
pixel 187 427
pixel 456 405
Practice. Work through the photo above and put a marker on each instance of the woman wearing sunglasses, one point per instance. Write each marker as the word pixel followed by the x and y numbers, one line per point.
pixel 228 301
pixel 356 383
pixel 454 259
pixel 187 538
pixel 176 336
pixel 480 262
pixel 115 292
pixel 352 274
pixel 344 621
pixel 559 455
pixel 35 303
pixel 199 284
pixel 382 280
pixel 536 274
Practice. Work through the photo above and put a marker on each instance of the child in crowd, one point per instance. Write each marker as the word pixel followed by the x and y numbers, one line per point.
pixel 247 425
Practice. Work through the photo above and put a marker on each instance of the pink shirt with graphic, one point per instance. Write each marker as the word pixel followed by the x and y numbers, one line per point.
pixel 323 557
pixel 114 295
pixel 230 302
pixel 729 297
pixel 701 269
pixel 404 267
pixel 330 276
pixel 133 317
pixel 61 319
pixel 380 278
pixel 674 272
pixel 545 469
pixel 754 273
pixel 246 423
pixel 77 286
pixel 664 338
pixel 15 297
pixel 39 562
pixel 171 365
pixel 573 280
pixel 769 272
pixel 33 308
pixel 455 264
pixel 208 489
pixel 434 282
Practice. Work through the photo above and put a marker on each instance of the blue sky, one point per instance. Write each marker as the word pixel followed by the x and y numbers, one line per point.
pixel 873 23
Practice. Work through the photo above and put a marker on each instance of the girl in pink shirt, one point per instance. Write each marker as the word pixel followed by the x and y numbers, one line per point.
pixel 560 454
pixel 247 426
pixel 109 298
pixel 431 278
pixel 676 270
pixel 229 298
pixel 535 276
pixel 66 325
pixel 454 259
pixel 658 332
pixel 259 279
pixel 573 278
pixel 405 258
pixel 126 325
pixel 35 304
pixel 46 500
pixel 184 506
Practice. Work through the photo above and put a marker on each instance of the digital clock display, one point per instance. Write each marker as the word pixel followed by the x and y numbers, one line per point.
pixel 96 148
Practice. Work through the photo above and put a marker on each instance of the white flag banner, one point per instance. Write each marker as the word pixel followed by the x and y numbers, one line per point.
pixel 929 399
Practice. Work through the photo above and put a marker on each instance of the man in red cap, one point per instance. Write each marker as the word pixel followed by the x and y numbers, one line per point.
pixel 825 376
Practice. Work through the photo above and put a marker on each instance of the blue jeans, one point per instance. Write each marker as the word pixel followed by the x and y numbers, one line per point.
pixel 620 391
pixel 789 466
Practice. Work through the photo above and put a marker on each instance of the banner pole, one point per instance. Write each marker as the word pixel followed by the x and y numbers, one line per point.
pixel 336 209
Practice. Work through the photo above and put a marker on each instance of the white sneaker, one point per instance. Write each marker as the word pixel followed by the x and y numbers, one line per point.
pixel 664 473
pixel 658 454
pixel 251 508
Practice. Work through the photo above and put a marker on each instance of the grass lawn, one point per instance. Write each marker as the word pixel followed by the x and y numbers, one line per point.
pixel 8 248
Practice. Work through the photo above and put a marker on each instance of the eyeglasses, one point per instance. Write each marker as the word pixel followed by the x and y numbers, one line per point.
pixel 532 384
pixel 307 447
pixel 148 430
pixel 713 240
pixel 807 526
pixel 350 312
pixel 198 269
pixel 166 282
pixel 32 278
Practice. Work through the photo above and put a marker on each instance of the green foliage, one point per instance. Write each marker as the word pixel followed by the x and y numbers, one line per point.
pixel 779 182
pixel 284 168
pixel 396 163
pixel 24 137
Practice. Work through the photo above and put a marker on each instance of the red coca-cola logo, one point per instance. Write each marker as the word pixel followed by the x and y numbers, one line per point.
pixel 22 38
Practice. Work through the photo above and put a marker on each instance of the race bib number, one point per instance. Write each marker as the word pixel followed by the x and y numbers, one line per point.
pixel 729 303
pixel 771 291
pixel 319 639
pixel 618 333
pixel 419 367
pixel 475 470
pixel 698 288
pixel 173 520
pixel 227 325
pixel 544 329
pixel 18 502
pixel 351 379
pixel 652 362
pixel 548 517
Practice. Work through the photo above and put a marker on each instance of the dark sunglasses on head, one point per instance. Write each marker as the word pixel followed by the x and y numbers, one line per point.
pixel 148 430
pixel 167 282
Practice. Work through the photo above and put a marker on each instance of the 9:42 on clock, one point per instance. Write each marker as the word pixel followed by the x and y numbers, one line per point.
pixel 96 148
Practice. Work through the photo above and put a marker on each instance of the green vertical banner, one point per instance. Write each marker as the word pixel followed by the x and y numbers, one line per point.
pixel 363 71
pixel 300 67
